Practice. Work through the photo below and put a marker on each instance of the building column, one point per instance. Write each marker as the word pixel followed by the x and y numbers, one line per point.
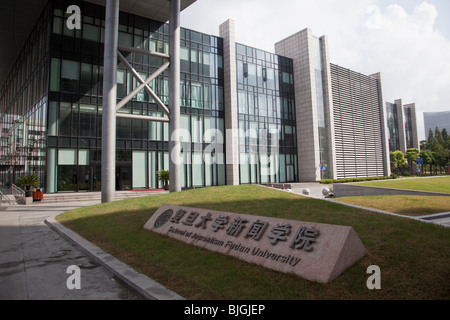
pixel 329 111
pixel 300 48
pixel 401 124
pixel 384 125
pixel 109 102
pixel 415 135
pixel 227 32
pixel 174 92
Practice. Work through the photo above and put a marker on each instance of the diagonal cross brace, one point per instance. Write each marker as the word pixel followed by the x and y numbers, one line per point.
pixel 144 85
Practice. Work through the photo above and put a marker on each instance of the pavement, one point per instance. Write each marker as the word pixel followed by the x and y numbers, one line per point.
pixel 315 190
pixel 36 254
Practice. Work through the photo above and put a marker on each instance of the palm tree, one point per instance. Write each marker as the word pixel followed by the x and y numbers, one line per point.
pixel 28 181
pixel 163 176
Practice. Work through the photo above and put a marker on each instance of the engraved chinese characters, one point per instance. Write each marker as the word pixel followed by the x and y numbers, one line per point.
pixel 303 239
pixel 314 251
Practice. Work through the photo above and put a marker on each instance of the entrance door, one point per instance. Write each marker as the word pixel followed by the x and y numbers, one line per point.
pixel 68 178
pixel 290 173
pixel 123 176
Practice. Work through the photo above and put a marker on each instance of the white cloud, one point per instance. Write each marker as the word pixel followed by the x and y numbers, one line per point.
pixel 405 46
pixel 412 55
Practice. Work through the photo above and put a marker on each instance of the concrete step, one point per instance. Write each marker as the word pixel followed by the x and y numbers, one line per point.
pixel 95 196
pixel 9 199
pixel 297 185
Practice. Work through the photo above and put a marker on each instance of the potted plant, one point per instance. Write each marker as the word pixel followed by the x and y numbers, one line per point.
pixel 163 176
pixel 27 182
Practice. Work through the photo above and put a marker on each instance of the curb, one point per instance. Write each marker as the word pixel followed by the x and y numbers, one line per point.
pixel 145 286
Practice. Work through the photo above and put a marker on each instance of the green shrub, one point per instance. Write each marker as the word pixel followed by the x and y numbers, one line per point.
pixel 348 180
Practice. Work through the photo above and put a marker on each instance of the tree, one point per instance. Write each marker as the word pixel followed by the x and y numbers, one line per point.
pixel 28 181
pixel 432 142
pixel 445 136
pixel 412 155
pixel 438 145
pixel 397 161
pixel 438 135
pixel 163 176
pixel 427 157
pixel 393 161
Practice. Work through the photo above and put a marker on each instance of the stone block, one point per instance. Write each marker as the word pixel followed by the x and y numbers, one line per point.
pixel 314 251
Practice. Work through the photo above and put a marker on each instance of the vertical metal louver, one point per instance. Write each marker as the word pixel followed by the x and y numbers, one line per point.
pixel 358 124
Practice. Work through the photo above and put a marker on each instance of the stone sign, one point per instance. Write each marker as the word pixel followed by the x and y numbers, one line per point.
pixel 313 251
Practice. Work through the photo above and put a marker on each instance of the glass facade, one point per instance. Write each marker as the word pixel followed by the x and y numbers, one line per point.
pixel 392 119
pixel 267 126
pixel 23 108
pixel 65 91
pixel 409 129
pixel 441 120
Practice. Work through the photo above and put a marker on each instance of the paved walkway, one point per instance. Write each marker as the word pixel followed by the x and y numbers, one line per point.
pixel 316 191
pixel 35 254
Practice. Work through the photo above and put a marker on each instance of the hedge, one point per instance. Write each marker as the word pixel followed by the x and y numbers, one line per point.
pixel 347 180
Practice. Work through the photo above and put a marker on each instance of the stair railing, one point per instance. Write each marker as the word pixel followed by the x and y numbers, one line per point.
pixel 18 194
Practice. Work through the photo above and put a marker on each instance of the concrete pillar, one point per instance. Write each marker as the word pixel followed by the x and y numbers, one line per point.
pixel 174 99
pixel 329 111
pixel 300 48
pixel 415 135
pixel 109 102
pixel 227 32
pixel 384 125
pixel 401 124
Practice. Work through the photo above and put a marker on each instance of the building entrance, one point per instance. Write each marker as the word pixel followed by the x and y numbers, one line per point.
pixel 123 176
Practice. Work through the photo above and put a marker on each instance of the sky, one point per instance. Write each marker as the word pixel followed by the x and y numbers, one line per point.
pixel 408 41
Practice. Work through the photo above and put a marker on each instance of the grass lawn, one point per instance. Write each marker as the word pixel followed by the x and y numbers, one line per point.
pixel 438 184
pixel 405 205
pixel 414 257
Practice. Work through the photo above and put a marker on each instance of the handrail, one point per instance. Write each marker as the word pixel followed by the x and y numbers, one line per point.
pixel 18 193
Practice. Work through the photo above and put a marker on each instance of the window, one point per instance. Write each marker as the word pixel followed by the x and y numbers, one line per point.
pixel 70 76
pixel 54 77
pixel 88 118
pixel 184 55
pixel 196 95
pixel 86 75
pixel 252 75
pixel 67 157
pixel 65 112
pixel 91 33
pixel 262 105
pixel 121 84
pixel 243 104
pixel 125 39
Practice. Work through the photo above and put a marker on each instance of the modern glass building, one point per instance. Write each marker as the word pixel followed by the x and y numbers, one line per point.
pixel 266 108
pixel 402 126
pixel 24 106
pixel 247 116
pixel 59 136
pixel 433 120
pixel 393 125
pixel 341 120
